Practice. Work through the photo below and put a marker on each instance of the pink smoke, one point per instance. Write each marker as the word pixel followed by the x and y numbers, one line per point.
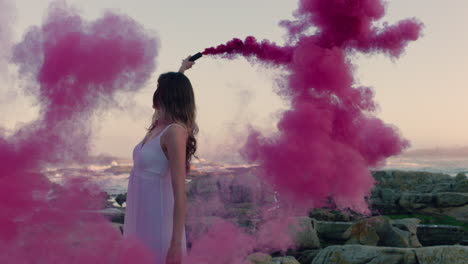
pixel 327 141
pixel 329 138
pixel 320 156
pixel 265 50
pixel 75 68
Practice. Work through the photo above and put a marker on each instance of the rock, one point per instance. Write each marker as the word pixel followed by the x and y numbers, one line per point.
pixel 115 215
pixel 284 260
pixel 249 225
pixel 387 202
pixel 358 254
pixel 424 188
pixel 410 225
pixel 304 234
pixel 460 213
pixel 433 235
pixel 451 199
pixel 433 187
pixel 259 258
pixel 198 226
pixel 461 177
pixel 406 181
pixel 244 188
pixel 362 233
pixel 231 188
pixel 395 238
pixel 121 198
pixel 377 231
pixel 390 196
pixel 205 186
pixel 332 232
pixel 442 254
pixel 376 191
pixel 412 201
pixel 378 204
pixel 245 215
pixel 240 194
pixel 461 186
pixel 402 192
pixel 443 187
pixel 325 214
pixel 241 210
pixel 118 227
pixel 307 256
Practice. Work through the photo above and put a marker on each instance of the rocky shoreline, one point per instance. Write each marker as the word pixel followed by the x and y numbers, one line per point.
pixel 418 218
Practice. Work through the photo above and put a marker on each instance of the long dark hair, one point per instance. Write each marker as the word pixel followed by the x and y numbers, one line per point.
pixel 174 95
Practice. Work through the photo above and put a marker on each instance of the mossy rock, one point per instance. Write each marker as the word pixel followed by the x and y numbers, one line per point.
pixel 461 176
pixel 432 219
pixel 406 181
pixel 357 254
pixel 284 260
pixel 442 254
pixel 302 229
pixel 259 258
pixel 307 256
pixel 461 186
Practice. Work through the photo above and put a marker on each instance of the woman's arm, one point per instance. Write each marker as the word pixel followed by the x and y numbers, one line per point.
pixel 186 64
pixel 175 143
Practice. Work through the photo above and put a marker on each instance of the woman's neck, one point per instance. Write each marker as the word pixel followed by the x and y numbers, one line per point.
pixel 163 120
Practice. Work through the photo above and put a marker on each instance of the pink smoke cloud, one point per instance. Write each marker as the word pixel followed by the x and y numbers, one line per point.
pixel 328 139
pixel 75 67
pixel 321 155
pixel 265 50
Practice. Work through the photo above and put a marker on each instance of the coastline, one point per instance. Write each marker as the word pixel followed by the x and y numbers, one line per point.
pixel 413 212
pixel 112 173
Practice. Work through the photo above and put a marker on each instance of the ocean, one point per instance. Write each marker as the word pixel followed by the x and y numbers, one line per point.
pixel 429 163
pixel 113 177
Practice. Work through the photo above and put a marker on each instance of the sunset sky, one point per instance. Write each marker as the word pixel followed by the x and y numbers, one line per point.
pixel 424 93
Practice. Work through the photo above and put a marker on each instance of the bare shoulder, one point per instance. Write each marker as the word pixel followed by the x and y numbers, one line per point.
pixel 175 133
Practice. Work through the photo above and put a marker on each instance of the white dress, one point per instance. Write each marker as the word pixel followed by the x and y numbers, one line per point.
pixel 150 200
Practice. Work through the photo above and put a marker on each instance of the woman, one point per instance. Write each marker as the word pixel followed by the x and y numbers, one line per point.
pixel 156 202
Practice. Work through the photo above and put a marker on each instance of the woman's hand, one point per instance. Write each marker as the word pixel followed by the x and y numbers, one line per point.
pixel 174 255
pixel 186 64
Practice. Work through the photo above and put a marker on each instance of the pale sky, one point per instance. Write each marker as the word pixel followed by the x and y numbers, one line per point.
pixel 424 93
